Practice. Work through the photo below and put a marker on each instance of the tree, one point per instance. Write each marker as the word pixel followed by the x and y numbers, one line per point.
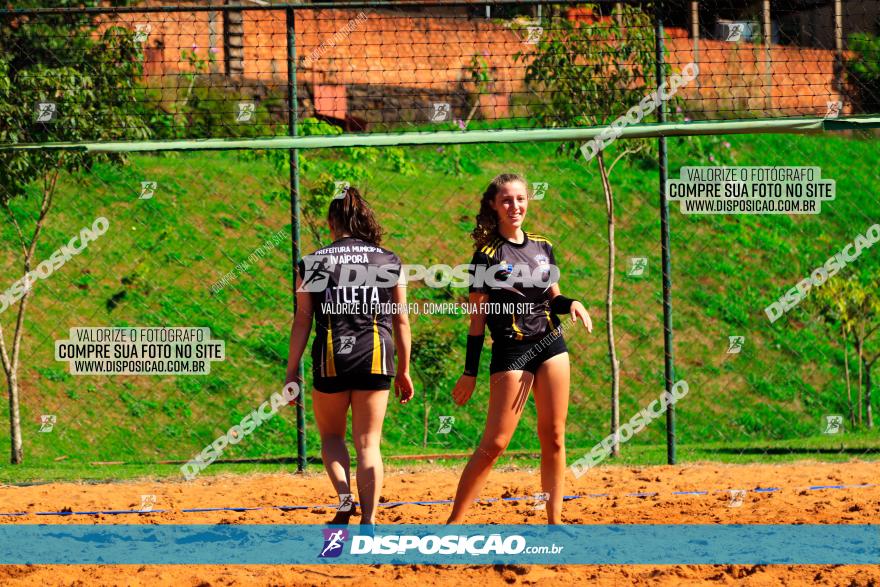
pixel 604 66
pixel 89 79
pixel 866 320
pixel 431 352
pixel 331 170
pixel 864 71
pixel 832 308
pixel 869 412
pixel 853 306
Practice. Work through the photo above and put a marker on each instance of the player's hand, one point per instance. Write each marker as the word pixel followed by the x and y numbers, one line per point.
pixel 403 387
pixel 579 312
pixel 463 389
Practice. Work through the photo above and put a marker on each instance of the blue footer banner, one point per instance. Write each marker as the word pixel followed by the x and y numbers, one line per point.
pixel 261 544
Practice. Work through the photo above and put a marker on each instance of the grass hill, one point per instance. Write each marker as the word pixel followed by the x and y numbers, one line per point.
pixel 157 263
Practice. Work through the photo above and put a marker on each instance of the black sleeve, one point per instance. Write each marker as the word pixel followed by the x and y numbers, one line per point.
pixel 480 259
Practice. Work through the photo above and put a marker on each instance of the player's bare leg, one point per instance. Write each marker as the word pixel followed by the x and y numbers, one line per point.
pixel 367 415
pixel 551 400
pixel 331 418
pixel 508 392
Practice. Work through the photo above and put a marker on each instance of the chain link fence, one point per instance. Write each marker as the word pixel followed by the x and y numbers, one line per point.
pixel 202 239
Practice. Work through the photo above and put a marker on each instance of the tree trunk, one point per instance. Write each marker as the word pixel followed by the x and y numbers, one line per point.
pixel 426 408
pixel 861 358
pixel 17 455
pixel 609 309
pixel 11 363
pixel 869 413
pixel 10 366
pixel 852 413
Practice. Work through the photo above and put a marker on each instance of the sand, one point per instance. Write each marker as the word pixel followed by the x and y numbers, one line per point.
pixel 793 503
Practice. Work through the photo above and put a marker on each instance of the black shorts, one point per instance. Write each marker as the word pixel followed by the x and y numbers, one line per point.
pixel 515 355
pixel 365 381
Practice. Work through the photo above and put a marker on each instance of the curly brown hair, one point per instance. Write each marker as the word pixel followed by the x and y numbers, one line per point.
pixel 487 217
pixel 353 215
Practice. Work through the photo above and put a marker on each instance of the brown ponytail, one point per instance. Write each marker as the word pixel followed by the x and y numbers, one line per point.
pixel 487 218
pixel 353 215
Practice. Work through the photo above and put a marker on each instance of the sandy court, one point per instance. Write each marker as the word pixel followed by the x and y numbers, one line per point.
pixel 605 501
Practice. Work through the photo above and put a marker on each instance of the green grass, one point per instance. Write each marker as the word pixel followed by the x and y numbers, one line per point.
pixel 156 264
pixel 843 448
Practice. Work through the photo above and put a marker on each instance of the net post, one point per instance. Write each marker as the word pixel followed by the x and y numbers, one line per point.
pixel 695 34
pixel 294 219
pixel 668 366
pixel 767 33
pixel 838 83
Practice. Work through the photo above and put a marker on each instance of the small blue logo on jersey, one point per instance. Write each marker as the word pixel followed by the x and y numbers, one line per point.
pixel 334 540
pixel 503 270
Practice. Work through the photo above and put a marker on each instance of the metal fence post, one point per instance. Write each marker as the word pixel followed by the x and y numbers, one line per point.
pixel 669 368
pixel 295 217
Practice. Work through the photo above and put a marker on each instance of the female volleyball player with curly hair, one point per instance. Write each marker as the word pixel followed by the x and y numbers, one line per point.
pixel 528 349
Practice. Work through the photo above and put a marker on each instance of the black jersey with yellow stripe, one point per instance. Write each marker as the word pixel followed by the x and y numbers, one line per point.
pixel 353 327
pixel 517 311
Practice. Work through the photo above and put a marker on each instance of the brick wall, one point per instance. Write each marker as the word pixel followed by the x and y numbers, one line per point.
pixel 393 66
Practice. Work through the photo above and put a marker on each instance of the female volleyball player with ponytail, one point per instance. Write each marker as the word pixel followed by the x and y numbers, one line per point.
pixel 359 329
pixel 527 345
